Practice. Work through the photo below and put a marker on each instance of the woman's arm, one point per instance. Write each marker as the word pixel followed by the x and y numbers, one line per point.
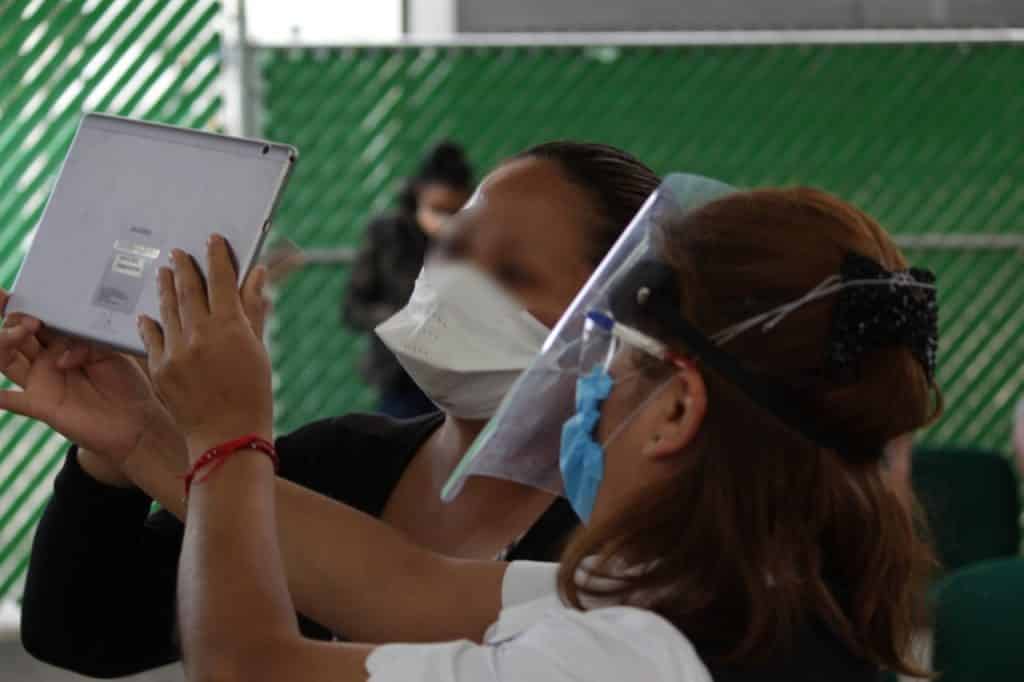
pixel 329 548
pixel 214 376
pixel 236 615
pixel 99 595
pixel 104 388
pixel 100 591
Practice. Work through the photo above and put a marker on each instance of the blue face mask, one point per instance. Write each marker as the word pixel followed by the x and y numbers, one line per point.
pixel 580 457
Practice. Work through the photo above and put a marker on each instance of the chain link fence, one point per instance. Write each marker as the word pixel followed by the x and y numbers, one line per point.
pixel 925 137
pixel 59 58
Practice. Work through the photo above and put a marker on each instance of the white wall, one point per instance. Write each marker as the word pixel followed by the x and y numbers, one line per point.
pixel 430 17
pixel 666 15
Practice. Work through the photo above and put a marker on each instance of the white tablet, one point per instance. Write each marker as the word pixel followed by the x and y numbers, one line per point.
pixel 128 192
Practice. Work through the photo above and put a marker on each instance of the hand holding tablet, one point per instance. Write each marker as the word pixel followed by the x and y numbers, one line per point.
pixel 128 192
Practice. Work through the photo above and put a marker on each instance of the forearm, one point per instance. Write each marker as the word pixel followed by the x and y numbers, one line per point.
pixel 381 586
pixel 102 470
pixel 233 595
pixel 157 465
pixel 154 475
pixel 213 374
pixel 237 619
pixel 99 594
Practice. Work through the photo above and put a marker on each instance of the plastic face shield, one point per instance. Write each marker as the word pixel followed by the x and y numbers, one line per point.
pixel 521 442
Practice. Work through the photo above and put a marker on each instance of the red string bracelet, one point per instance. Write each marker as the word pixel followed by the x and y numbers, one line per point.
pixel 216 456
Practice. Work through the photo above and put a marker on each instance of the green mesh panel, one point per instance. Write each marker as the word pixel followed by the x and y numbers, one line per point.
pixel 927 138
pixel 58 58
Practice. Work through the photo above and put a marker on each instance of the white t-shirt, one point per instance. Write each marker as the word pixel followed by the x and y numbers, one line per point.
pixel 536 638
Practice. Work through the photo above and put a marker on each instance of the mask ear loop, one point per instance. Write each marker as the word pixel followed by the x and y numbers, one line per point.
pixel 678 363
pixel 624 335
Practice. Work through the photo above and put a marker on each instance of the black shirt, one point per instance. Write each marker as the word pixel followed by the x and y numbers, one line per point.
pixel 100 592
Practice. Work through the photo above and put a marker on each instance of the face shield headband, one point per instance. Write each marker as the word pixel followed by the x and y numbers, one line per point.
pixel 875 308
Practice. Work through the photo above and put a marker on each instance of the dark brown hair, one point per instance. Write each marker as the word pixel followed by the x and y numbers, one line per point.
pixel 617 183
pixel 763 533
pixel 445 164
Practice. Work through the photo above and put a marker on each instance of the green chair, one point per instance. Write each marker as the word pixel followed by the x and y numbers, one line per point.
pixel 972 504
pixel 979 623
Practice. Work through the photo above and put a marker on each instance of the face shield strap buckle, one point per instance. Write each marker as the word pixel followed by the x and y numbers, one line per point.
pixel 649 299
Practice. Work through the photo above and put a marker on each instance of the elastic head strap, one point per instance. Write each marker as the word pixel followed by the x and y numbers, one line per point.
pixel 648 297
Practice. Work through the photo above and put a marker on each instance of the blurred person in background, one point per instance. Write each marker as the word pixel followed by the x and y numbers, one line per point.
pixel 387 264
pixel 100 590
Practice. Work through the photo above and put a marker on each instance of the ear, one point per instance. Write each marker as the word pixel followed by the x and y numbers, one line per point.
pixel 682 407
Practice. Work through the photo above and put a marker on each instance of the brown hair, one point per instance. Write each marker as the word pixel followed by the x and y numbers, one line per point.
pixel 762 532
pixel 617 183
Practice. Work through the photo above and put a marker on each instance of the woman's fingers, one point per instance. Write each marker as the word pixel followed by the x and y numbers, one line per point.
pixel 224 299
pixel 19 320
pixel 254 303
pixel 16 343
pixel 16 368
pixel 193 306
pixel 170 315
pixel 153 339
pixel 30 347
pixel 13 334
pixel 141 362
pixel 75 356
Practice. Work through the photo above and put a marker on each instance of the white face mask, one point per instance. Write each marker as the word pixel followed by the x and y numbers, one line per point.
pixel 462 339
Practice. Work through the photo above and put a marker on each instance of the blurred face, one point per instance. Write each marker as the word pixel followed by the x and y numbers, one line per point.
pixel 436 203
pixel 525 228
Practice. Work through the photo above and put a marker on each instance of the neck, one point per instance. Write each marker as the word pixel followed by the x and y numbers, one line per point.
pixel 488 514
pixel 452 439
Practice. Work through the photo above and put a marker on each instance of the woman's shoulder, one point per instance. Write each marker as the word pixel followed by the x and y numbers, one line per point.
pixel 630 640
pixel 612 643
pixel 632 629
pixel 354 458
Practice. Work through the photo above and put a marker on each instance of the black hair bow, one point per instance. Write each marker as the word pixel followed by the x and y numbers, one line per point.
pixel 900 309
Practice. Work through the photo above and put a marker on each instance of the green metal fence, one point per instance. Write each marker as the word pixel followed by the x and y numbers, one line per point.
pixel 926 137
pixel 144 58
